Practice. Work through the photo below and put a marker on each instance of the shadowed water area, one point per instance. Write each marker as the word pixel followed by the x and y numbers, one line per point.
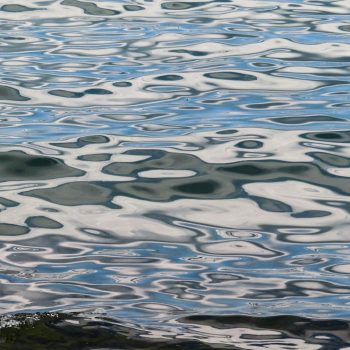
pixel 174 174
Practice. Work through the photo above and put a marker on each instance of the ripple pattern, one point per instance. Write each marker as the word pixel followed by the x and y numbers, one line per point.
pixel 165 159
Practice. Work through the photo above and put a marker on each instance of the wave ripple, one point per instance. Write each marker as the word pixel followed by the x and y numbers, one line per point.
pixel 169 159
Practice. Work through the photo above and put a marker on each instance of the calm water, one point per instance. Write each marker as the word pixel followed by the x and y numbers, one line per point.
pixel 175 168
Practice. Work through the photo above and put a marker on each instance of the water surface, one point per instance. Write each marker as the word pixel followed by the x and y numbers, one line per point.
pixel 163 160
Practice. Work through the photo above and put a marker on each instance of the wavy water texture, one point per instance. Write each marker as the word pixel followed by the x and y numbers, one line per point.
pixel 166 159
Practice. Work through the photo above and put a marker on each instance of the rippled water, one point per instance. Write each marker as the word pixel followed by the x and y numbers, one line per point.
pixel 162 160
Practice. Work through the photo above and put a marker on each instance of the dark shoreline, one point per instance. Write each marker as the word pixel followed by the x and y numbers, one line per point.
pixel 70 331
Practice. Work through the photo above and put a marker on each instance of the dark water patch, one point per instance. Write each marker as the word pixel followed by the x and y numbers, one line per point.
pixel 227 132
pixel 16 8
pixel 331 159
pixel 345 28
pixel 82 141
pixel 17 165
pixel 43 222
pixel 12 230
pixel 306 120
pixel 180 5
pixel 250 144
pixel 8 202
pixel 11 94
pixel 191 52
pixel 74 193
pixel 267 105
pixel 170 77
pixel 90 8
pixel 133 8
pixel 13 38
pixel 122 84
pixel 230 76
pixel 311 214
pixel 96 91
pixel 341 136
pixel 99 157
pixel 197 188
pixel 66 94
pixel 272 205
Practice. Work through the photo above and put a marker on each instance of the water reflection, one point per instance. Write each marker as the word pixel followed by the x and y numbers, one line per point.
pixel 228 221
pixel 161 160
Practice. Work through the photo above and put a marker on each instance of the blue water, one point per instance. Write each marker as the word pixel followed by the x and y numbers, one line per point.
pixel 161 159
